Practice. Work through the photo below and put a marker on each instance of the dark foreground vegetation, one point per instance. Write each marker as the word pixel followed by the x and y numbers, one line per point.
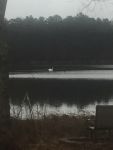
pixel 46 134
pixel 59 41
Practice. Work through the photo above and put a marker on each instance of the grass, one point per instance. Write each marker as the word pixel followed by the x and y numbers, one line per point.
pixel 45 134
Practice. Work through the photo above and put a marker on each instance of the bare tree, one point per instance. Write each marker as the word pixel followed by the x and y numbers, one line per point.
pixel 4 102
pixel 95 2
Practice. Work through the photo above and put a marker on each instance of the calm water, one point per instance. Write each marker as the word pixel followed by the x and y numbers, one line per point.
pixel 69 92
pixel 84 74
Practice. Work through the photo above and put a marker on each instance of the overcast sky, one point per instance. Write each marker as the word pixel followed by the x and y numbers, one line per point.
pixel 37 8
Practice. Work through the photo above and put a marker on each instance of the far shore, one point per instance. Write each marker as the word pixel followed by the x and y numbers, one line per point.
pixel 45 68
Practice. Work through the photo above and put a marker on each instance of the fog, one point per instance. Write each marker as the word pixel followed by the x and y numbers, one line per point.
pixel 36 8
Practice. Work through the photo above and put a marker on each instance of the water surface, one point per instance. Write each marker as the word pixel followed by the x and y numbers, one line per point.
pixel 69 92
pixel 82 74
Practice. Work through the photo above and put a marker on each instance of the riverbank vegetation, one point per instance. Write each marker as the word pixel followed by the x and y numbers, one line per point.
pixel 77 40
pixel 47 134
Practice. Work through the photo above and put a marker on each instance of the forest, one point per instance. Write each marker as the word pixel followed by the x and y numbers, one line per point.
pixel 74 40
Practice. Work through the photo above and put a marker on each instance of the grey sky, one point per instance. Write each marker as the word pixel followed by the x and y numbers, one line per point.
pixel 36 8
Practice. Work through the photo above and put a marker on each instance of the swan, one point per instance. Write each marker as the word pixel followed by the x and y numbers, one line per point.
pixel 50 69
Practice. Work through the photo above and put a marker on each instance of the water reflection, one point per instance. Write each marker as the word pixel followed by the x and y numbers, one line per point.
pixel 78 74
pixel 58 96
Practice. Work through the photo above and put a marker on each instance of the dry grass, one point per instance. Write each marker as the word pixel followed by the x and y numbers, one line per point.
pixel 44 134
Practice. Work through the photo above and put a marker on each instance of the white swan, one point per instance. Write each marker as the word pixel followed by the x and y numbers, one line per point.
pixel 50 69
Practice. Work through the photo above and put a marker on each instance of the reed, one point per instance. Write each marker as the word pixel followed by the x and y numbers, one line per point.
pixel 45 133
pixel 40 131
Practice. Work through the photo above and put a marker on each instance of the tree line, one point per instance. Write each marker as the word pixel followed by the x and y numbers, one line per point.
pixel 55 40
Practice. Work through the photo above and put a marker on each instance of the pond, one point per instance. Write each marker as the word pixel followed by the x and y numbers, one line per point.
pixel 38 94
